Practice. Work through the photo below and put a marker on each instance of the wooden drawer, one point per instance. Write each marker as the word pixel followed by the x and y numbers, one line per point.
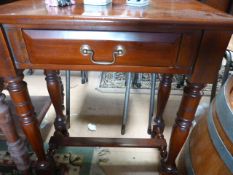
pixel 63 47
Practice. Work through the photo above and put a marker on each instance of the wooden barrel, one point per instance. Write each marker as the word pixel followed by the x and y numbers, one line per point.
pixel 209 149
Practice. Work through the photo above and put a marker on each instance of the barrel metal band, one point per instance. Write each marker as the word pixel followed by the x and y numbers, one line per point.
pixel 225 114
pixel 187 159
pixel 218 143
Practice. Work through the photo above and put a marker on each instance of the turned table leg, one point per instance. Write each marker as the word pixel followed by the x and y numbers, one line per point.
pixel 16 147
pixel 163 95
pixel 62 89
pixel 1 84
pixel 55 91
pixel 152 102
pixel 190 100
pixel 21 99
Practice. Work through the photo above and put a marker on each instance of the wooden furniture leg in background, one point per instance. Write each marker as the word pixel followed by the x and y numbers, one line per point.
pixel 163 95
pixel 16 146
pixel 158 124
pixel 55 91
pixel 20 97
pixel 63 99
pixel 190 101
pixel 1 84
pixel 62 90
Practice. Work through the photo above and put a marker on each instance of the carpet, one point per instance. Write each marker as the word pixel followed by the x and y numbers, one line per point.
pixel 72 160
pixel 114 82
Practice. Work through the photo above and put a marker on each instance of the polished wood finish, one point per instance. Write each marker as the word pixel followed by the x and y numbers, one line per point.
pixel 169 36
pixel 7 68
pixel 225 5
pixel 41 104
pixel 24 108
pixel 211 40
pixel 55 91
pixel 190 100
pixel 205 159
pixel 208 159
pixel 17 145
pixel 20 97
pixel 81 17
pixel 60 47
pixel 162 99
pixel 107 142
pixel 163 95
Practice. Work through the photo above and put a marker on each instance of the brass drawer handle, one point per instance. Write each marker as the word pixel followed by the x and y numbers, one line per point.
pixel 118 51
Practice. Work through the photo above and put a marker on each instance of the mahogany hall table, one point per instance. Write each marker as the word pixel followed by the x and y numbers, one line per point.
pixel 167 37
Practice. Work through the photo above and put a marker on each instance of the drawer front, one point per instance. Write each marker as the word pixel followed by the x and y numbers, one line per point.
pixel 63 47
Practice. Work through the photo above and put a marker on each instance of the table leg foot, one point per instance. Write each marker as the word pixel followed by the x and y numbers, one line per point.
pixel 168 169
pixel 45 168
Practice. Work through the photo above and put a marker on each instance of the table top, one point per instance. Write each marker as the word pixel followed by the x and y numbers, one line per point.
pixel 185 12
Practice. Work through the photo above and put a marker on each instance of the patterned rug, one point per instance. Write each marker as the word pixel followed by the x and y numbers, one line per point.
pixel 71 160
pixel 114 82
pixel 70 163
